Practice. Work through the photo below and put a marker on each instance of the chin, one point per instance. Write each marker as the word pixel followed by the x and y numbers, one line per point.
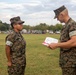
pixel 20 29
pixel 61 21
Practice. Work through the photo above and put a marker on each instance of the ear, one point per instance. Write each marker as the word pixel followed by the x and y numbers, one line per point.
pixel 62 14
pixel 14 25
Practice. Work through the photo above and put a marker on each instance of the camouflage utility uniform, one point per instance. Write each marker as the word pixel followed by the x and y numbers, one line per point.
pixel 17 47
pixel 68 56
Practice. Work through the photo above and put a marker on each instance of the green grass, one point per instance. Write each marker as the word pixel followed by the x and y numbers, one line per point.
pixel 40 59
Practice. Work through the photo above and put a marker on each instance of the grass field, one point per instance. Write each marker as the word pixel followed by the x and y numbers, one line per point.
pixel 40 59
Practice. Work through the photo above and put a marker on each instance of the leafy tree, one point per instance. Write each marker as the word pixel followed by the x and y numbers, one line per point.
pixel 27 27
pixel 2 27
pixel 41 26
pixel 6 25
pixel 58 27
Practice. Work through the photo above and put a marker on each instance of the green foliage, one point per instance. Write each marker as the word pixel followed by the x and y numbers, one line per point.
pixel 52 28
pixel 58 27
pixel 55 28
pixel 4 26
pixel 27 27
pixel 43 27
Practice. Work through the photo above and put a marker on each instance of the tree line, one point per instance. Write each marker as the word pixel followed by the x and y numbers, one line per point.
pixel 44 27
pixel 41 26
pixel 4 26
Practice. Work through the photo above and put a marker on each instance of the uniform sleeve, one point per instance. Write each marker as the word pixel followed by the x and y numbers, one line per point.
pixel 72 30
pixel 10 40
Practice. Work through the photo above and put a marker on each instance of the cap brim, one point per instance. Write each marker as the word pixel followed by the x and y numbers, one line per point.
pixel 20 22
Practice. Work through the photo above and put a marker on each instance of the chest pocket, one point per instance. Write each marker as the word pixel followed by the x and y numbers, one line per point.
pixel 20 40
pixel 18 46
pixel 64 34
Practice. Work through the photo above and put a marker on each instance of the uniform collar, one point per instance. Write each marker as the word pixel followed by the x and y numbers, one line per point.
pixel 68 21
pixel 16 32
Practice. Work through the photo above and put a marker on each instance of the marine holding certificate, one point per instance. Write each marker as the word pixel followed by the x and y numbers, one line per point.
pixel 67 42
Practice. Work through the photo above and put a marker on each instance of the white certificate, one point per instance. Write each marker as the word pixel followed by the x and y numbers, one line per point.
pixel 49 40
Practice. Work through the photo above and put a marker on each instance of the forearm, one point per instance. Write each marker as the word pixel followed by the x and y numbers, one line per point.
pixel 67 44
pixel 8 53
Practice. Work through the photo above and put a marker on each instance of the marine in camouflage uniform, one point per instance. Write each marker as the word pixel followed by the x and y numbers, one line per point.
pixel 67 42
pixel 68 56
pixel 17 46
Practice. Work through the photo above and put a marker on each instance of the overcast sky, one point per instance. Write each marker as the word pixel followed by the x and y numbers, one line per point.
pixel 34 12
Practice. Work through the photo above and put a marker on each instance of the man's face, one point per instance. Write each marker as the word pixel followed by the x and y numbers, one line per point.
pixel 60 18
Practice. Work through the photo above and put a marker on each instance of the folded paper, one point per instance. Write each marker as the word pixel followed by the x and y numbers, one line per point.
pixel 49 40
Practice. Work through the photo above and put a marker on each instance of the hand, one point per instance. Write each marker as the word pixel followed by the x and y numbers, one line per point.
pixel 9 63
pixel 53 46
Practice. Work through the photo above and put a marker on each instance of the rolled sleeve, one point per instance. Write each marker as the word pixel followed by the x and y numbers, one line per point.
pixel 72 33
pixel 10 39
pixel 9 43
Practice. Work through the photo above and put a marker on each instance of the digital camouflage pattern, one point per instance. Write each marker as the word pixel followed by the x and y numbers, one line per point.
pixel 17 53
pixel 68 56
pixel 16 70
pixel 69 71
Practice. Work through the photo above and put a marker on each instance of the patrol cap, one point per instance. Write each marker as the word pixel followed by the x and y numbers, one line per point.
pixel 16 20
pixel 59 10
